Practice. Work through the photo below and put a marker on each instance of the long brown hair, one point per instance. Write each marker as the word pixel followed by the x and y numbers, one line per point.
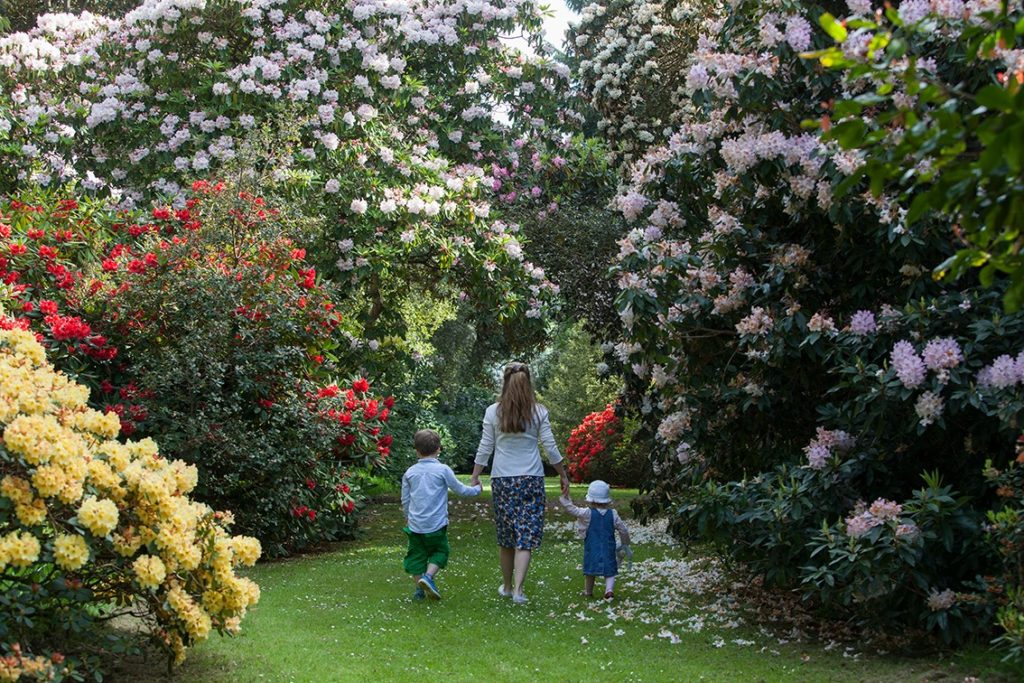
pixel 517 405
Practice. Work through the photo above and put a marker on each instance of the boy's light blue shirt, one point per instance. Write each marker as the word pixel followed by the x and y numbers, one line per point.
pixel 425 494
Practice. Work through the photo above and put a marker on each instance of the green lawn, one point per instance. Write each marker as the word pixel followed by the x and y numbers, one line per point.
pixel 347 615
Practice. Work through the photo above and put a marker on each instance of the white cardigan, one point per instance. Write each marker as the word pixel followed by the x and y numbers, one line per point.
pixel 516 454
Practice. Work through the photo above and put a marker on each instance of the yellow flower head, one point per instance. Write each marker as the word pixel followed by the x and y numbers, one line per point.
pixel 70 552
pixel 20 549
pixel 149 570
pixel 98 516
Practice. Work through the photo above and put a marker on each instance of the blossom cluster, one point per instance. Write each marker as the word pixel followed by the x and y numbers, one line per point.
pixel 594 438
pixel 866 518
pixel 117 516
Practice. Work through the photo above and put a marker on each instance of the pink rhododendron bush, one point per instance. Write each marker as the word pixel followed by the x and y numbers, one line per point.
pixel 824 407
pixel 91 526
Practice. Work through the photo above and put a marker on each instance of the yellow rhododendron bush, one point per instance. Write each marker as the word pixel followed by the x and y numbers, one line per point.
pixel 91 528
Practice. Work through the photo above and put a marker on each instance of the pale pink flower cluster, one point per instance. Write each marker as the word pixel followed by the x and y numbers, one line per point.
pixel 860 7
pixel 631 205
pixel 885 509
pixel 863 323
pixel 1003 373
pixel 798 33
pixel 942 353
pixel 758 323
pixel 929 407
pixel 822 323
pixel 938 602
pixel 909 367
pixel 908 531
pixel 913 11
pixel 674 425
pixel 825 444
pixel 863 519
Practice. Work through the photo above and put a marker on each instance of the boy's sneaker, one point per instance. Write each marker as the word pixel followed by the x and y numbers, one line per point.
pixel 418 594
pixel 428 585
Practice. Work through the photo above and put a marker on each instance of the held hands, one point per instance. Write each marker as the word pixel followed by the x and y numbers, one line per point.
pixel 565 485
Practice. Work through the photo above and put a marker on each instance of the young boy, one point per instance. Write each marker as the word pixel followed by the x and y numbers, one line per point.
pixel 425 504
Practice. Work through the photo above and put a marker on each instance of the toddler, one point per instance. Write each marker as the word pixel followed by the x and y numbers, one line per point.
pixel 425 504
pixel 596 525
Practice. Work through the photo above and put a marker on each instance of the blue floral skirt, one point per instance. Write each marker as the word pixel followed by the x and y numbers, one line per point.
pixel 519 511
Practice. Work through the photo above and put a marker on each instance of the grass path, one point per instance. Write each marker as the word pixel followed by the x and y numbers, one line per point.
pixel 347 615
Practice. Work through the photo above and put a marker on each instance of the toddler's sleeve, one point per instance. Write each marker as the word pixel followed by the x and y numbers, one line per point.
pixel 622 528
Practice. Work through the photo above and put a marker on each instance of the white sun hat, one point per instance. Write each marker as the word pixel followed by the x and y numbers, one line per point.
pixel 599 492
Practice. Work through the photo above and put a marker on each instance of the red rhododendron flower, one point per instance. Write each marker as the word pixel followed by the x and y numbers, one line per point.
pixel 328 391
pixel 362 385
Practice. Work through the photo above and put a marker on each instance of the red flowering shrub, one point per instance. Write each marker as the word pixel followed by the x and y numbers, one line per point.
pixel 597 435
pixel 605 446
pixel 205 327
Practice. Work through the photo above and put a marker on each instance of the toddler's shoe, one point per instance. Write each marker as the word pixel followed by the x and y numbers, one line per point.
pixel 428 585
pixel 503 593
pixel 418 594
pixel 519 599
pixel 609 595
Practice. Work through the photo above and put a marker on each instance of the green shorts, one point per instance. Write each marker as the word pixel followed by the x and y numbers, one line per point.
pixel 426 549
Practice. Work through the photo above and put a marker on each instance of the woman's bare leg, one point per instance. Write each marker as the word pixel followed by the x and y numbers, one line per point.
pixel 522 565
pixel 507 558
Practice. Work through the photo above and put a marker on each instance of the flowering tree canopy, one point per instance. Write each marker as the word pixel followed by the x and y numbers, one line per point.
pixel 375 116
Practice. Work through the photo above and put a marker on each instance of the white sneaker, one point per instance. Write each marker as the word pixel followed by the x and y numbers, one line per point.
pixel 503 593
pixel 519 599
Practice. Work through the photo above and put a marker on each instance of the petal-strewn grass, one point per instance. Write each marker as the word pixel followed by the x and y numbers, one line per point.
pixel 347 615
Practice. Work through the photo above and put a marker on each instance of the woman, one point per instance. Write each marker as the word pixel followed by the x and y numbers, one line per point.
pixel 513 428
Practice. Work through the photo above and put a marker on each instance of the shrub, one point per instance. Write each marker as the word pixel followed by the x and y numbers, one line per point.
pixel 218 339
pixel 1005 533
pixel 90 526
pixel 598 434
pixel 781 332
pixel 608 447
pixel 246 387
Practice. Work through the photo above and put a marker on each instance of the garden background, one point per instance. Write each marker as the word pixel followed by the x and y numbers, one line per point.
pixel 763 258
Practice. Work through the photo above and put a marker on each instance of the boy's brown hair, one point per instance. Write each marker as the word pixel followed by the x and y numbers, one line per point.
pixel 427 442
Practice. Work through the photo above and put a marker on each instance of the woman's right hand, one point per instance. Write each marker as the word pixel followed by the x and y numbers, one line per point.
pixel 565 485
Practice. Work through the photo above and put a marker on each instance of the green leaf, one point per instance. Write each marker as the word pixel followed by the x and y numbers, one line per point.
pixel 849 133
pixel 995 97
pixel 833 27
